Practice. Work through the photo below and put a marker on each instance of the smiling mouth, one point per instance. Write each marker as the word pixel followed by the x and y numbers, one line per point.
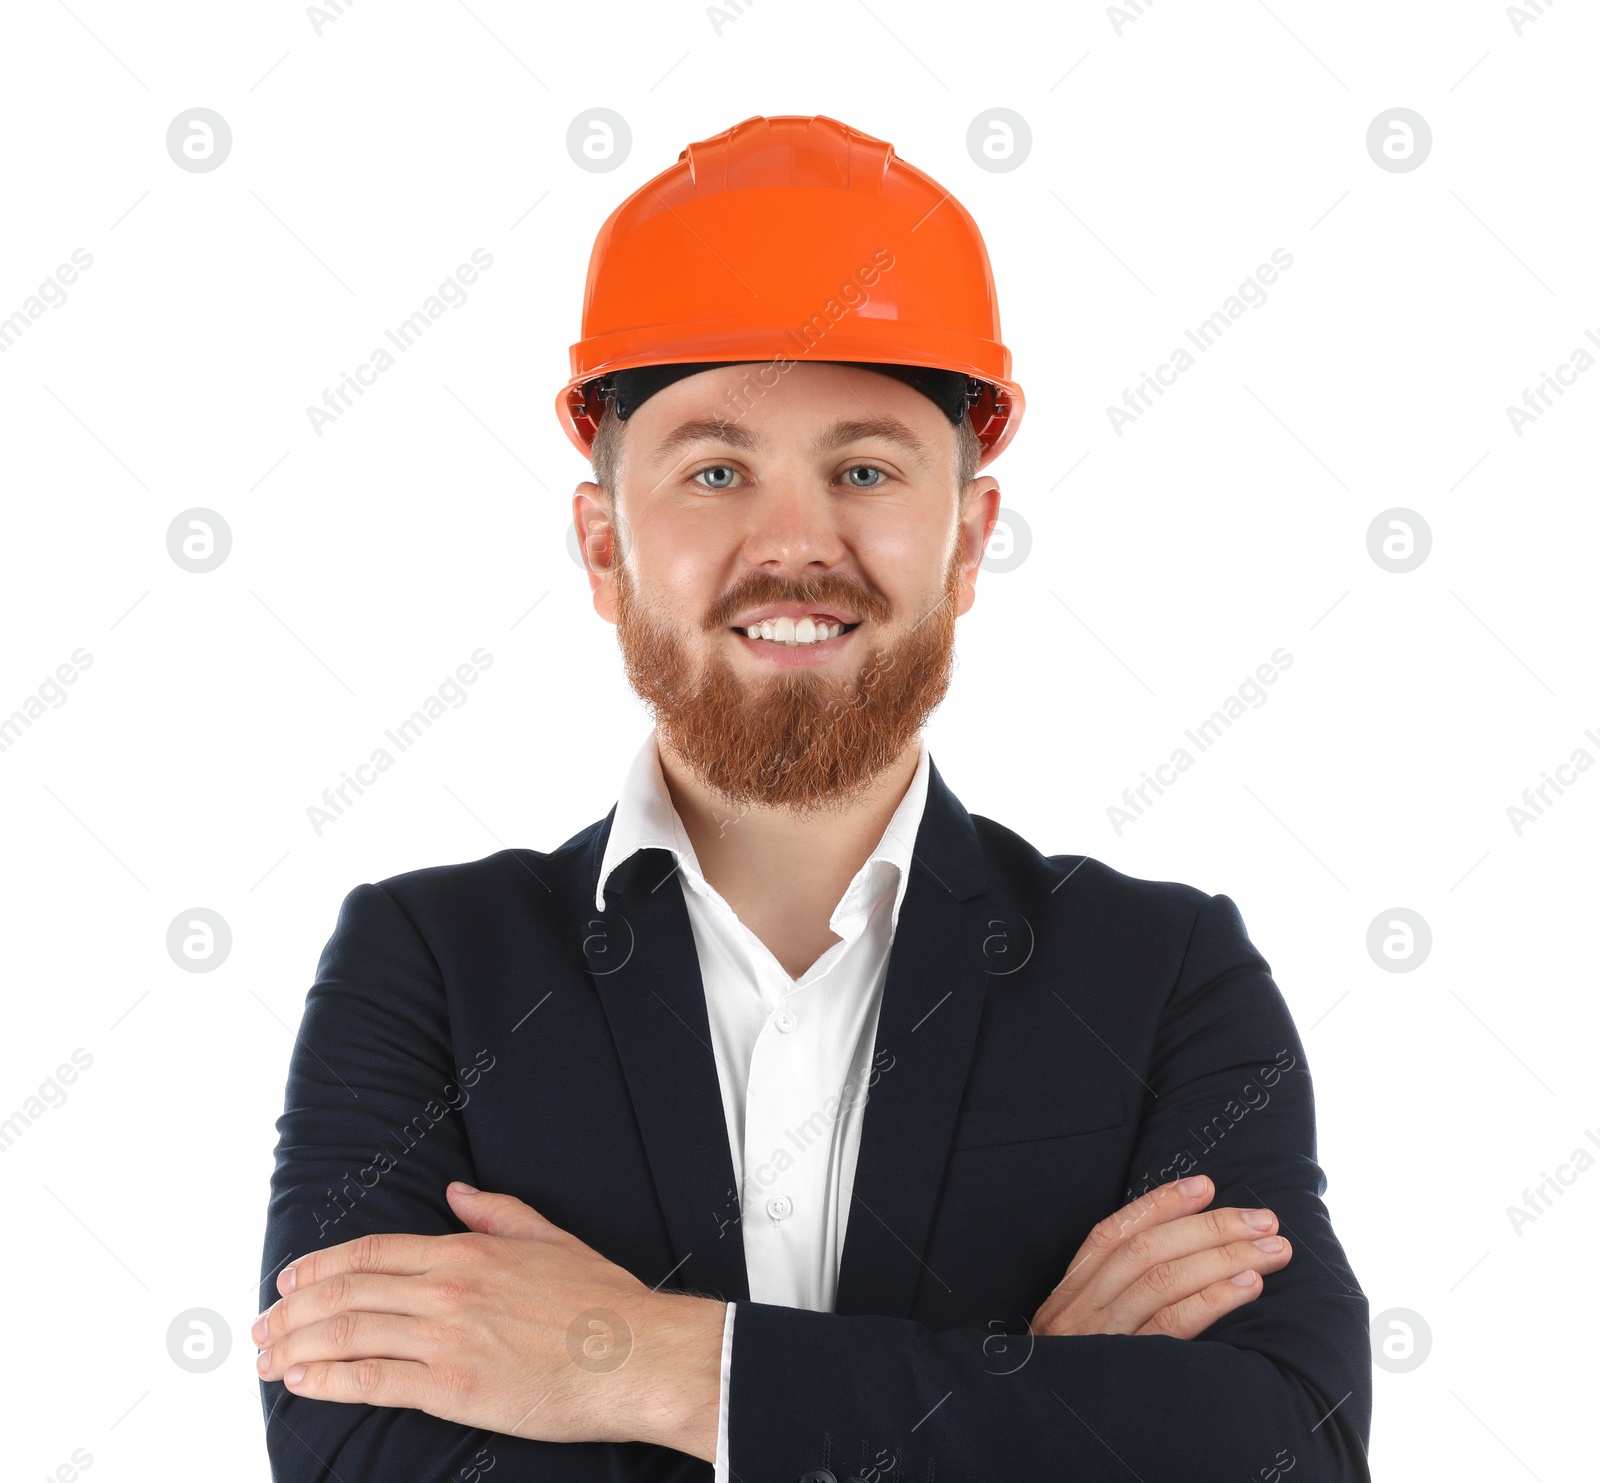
pixel 796 632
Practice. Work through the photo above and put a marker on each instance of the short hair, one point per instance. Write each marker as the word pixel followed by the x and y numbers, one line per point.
pixel 605 450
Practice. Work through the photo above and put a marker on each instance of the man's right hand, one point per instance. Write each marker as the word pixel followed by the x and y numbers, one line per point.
pixel 1165 1265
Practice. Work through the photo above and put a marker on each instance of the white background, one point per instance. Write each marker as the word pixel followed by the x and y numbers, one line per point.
pixel 1167 562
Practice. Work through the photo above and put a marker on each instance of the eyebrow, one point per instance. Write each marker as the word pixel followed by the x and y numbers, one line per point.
pixel 860 429
pixel 836 435
pixel 704 430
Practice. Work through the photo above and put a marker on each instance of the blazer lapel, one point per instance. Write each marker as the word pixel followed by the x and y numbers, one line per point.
pixel 927 1025
pixel 641 956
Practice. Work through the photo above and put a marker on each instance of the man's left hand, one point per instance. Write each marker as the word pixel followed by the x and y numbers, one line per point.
pixel 514 1326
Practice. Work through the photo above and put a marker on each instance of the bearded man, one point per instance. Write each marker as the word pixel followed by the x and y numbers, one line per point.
pixel 791 1122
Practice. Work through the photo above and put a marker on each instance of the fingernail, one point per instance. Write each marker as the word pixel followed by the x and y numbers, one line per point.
pixel 1244 1279
pixel 258 1330
pixel 296 1374
pixel 1257 1220
pixel 286 1281
pixel 264 1361
pixel 1195 1184
pixel 462 1187
pixel 1269 1243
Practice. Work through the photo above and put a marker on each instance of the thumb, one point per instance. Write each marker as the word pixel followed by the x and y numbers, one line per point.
pixel 502 1215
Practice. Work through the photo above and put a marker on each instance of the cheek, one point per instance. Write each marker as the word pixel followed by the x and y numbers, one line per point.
pixel 679 573
pixel 905 563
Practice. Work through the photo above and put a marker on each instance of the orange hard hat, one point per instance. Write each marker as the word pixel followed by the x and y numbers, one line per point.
pixel 786 239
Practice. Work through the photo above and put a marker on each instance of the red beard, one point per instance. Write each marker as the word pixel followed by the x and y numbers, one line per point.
pixel 801 740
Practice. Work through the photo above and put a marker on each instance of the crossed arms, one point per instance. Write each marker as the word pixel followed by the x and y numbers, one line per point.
pixel 433 1351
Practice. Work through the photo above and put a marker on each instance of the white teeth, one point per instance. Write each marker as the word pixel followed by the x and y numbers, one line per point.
pixel 788 631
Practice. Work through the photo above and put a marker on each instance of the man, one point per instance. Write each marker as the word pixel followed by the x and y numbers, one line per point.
pixel 820 1129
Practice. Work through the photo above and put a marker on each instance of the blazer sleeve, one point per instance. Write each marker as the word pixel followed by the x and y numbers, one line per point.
pixel 1284 1381
pixel 370 1135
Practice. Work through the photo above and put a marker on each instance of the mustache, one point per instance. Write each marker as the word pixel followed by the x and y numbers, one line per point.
pixel 821 590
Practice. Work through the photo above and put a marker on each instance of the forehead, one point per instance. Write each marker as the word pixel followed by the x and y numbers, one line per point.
pixel 819 439
pixel 812 410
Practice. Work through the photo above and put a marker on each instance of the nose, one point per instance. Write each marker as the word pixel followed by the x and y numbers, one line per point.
pixel 793 526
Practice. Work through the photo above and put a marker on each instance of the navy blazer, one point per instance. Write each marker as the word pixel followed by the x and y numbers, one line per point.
pixel 1055 1039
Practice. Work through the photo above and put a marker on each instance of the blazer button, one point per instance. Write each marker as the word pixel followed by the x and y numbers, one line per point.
pixel 818 1475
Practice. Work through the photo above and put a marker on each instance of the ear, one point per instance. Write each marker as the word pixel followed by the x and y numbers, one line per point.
pixel 600 544
pixel 979 516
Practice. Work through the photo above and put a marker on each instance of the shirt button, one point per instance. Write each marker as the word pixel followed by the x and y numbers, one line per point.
pixel 779 1206
pixel 786 1020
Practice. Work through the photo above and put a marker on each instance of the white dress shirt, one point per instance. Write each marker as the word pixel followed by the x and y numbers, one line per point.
pixel 793 1056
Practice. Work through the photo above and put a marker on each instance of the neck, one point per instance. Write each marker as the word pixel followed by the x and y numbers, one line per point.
pixel 783 873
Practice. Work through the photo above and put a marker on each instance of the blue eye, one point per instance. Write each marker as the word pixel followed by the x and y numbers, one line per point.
pixel 716 469
pixel 866 468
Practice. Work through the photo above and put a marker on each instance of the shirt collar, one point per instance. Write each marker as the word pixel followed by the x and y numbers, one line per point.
pixel 646 819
